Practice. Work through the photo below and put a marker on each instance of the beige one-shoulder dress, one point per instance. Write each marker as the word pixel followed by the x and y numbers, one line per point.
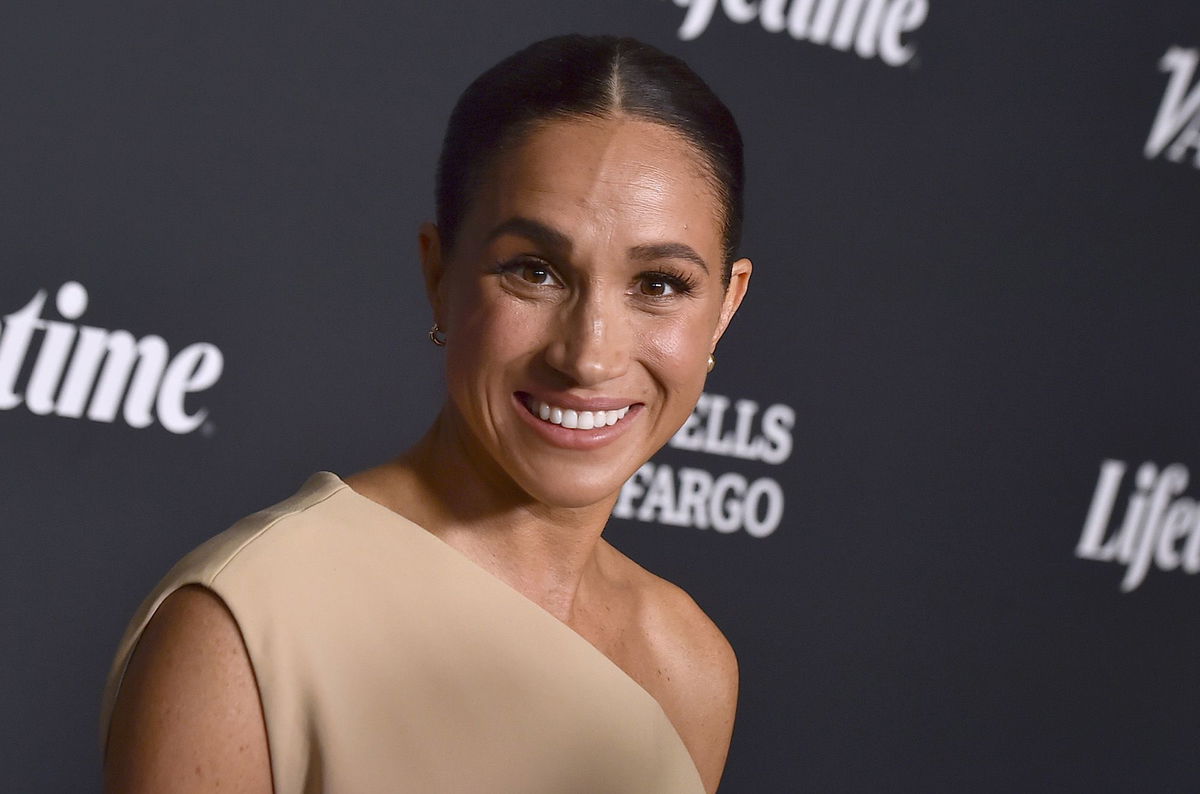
pixel 389 662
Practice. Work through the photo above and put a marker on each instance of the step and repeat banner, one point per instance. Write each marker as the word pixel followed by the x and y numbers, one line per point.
pixel 940 492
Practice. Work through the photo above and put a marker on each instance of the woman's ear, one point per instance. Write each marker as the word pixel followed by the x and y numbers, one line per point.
pixel 739 280
pixel 432 267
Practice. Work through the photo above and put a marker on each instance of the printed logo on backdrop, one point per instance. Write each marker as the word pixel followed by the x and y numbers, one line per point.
pixel 83 372
pixel 868 28
pixel 1160 528
pixel 726 501
pixel 1176 129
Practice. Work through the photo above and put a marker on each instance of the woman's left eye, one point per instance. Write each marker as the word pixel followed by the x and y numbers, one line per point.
pixel 657 287
pixel 663 285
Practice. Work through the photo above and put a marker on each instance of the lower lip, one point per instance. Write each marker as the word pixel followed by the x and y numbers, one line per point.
pixel 575 439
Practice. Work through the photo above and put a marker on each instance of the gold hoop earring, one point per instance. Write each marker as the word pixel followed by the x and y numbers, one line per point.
pixel 437 336
pixel 712 362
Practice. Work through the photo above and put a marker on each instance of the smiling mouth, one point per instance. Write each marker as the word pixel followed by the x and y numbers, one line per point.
pixel 572 419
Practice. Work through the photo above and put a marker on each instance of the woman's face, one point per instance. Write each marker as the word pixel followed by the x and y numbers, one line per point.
pixel 581 300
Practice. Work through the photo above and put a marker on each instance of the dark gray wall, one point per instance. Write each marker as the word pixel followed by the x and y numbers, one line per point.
pixel 974 285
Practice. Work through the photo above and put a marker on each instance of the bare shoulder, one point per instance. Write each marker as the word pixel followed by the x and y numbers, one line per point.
pixel 686 635
pixel 188 716
pixel 688 666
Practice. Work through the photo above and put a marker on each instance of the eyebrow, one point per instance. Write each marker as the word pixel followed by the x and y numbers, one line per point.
pixel 551 238
pixel 652 251
pixel 532 230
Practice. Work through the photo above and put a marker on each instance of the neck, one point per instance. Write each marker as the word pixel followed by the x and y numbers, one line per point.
pixel 459 494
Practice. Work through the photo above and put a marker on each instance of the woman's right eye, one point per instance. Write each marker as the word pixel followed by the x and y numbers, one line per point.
pixel 533 272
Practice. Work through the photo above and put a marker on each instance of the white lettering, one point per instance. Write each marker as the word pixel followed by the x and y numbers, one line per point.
pixel 740 11
pixel 778 421
pixel 1178 117
pixel 660 499
pixel 727 502
pixel 1111 472
pixel 47 370
pixel 868 27
pixel 694 487
pixel 699 14
pixel 195 368
pixel 1176 524
pixel 744 446
pixel 760 490
pixel 771 15
pixel 847 25
pixel 727 513
pixel 822 23
pixel 1123 545
pixel 124 352
pixel 17 332
pixel 1191 549
pixel 136 377
pixel 904 16
pixel 1188 139
pixel 1154 524
pixel 798 17
pixel 1171 482
pixel 706 430
pixel 691 497
pixel 866 42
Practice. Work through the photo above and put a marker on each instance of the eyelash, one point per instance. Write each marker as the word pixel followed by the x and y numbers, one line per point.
pixel 680 283
pixel 513 266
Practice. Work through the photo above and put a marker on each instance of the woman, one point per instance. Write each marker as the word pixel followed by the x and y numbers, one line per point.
pixel 452 621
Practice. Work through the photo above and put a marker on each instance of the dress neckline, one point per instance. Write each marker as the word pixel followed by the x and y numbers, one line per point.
pixel 543 614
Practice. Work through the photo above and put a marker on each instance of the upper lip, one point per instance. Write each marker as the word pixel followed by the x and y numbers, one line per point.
pixel 575 402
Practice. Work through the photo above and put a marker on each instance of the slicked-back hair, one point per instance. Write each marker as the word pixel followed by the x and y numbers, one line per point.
pixel 586 76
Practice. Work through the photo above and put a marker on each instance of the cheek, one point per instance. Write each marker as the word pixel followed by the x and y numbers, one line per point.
pixel 489 333
pixel 677 352
pixel 682 340
pixel 676 342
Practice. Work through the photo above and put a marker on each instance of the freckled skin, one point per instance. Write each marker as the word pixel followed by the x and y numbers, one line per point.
pixel 188 719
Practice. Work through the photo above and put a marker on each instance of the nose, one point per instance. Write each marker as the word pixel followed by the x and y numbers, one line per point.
pixel 593 341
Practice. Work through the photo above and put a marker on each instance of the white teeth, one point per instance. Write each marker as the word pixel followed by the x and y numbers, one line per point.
pixel 577 420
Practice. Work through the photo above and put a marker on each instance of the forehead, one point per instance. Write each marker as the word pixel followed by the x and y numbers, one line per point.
pixel 624 178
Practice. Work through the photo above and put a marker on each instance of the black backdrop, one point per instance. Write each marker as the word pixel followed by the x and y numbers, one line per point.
pixel 976 282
